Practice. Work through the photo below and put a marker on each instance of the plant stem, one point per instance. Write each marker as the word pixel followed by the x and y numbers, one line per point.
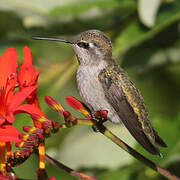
pixel 69 170
pixel 106 132
pixel 137 155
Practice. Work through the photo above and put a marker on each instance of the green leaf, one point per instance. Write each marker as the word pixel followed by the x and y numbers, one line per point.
pixel 135 34
pixel 81 7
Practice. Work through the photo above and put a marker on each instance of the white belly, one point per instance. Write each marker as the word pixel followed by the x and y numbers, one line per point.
pixel 92 92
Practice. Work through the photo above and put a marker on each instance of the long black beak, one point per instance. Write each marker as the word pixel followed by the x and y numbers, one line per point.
pixel 53 39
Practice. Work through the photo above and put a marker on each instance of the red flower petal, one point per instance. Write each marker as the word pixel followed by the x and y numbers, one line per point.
pixel 9 133
pixel 33 99
pixel 27 75
pixel 76 104
pixel 19 98
pixel 10 117
pixel 30 109
pixel 2 119
pixel 28 58
pixel 8 65
pixel 54 104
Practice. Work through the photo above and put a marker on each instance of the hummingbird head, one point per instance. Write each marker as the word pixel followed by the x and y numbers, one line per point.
pixel 90 46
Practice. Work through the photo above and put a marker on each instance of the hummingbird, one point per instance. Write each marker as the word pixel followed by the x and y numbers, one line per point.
pixel 104 85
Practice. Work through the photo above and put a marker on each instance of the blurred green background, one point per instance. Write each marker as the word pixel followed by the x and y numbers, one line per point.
pixel 146 43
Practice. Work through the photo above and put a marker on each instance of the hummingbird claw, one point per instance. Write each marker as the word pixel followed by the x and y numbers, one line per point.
pixel 98 121
pixel 97 117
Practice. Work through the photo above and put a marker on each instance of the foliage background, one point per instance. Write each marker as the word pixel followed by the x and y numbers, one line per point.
pixel 146 44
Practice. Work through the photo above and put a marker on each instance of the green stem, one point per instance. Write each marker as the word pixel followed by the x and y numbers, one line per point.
pixel 106 132
pixel 137 155
pixel 69 170
pixel 85 122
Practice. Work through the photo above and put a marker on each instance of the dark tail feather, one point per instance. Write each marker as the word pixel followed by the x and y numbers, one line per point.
pixel 159 141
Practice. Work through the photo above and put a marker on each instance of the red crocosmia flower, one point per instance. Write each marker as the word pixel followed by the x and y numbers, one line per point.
pixel 9 133
pixel 9 100
pixel 8 65
pixel 28 76
pixel 14 90
pixel 76 104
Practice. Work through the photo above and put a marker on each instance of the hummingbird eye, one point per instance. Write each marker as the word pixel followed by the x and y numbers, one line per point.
pixel 83 45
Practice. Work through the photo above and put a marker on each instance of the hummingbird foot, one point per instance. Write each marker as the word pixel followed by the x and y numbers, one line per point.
pixel 99 118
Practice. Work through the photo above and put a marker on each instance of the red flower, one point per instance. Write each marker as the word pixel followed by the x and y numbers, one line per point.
pixel 9 133
pixel 28 76
pixel 76 104
pixel 9 100
pixel 8 64
pixel 10 103
pixel 15 88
